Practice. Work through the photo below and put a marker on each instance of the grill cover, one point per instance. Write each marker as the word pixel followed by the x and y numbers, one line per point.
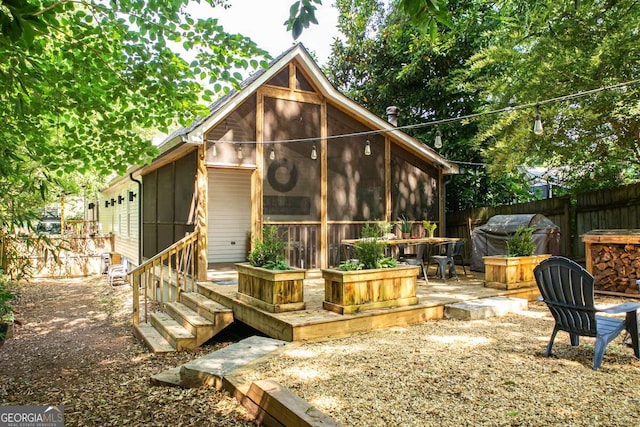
pixel 491 237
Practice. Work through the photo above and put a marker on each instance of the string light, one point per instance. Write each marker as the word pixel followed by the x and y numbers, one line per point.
pixel 537 124
pixel 314 153
pixel 215 150
pixel 272 154
pixel 438 142
pixel 367 148
pixel 467 117
pixel 240 154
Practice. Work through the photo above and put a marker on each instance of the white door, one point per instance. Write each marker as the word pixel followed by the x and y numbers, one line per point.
pixel 229 215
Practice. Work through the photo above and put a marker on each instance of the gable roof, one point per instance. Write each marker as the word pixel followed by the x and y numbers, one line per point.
pixel 225 105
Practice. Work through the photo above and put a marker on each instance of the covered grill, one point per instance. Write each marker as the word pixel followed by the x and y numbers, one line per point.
pixel 491 238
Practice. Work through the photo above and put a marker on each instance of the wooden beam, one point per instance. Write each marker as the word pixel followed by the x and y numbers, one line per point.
pixel 387 179
pixel 258 173
pixel 324 212
pixel 202 189
pixel 283 406
pixel 283 93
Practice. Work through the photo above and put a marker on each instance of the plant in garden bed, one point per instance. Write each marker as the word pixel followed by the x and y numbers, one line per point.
pixel 268 252
pixel 521 243
pixel 369 252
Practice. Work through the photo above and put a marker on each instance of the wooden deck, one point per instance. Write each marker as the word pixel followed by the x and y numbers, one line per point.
pixel 315 323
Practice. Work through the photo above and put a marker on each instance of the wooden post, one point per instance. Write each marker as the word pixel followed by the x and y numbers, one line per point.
pixel 324 211
pixel 202 190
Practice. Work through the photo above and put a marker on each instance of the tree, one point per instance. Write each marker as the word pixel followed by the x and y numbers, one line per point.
pixel 424 15
pixel 78 80
pixel 385 60
pixel 546 50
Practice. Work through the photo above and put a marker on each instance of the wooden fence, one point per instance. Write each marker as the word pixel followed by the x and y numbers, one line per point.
pixel 616 208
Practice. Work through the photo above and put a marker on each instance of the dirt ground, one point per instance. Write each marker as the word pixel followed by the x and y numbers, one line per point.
pixel 75 348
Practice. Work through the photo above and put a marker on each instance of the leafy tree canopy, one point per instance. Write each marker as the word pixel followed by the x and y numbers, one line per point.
pixel 543 51
pixel 80 79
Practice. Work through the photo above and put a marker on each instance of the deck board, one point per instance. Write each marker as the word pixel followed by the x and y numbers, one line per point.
pixel 314 322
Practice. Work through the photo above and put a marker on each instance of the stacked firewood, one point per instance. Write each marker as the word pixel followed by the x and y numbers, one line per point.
pixel 616 268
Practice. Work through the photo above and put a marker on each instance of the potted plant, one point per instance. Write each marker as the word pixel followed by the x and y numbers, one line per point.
pixel 405 227
pixel 267 281
pixel 6 310
pixel 515 269
pixel 429 227
pixel 370 280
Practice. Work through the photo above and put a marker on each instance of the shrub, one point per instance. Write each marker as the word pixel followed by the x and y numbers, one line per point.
pixel 268 251
pixel 521 243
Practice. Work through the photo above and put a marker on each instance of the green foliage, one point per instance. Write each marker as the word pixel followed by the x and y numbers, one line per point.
pixel 369 252
pixel 268 251
pixel 6 296
pixel 429 227
pixel 424 14
pixel 548 49
pixel 521 243
pixel 405 225
pixel 80 81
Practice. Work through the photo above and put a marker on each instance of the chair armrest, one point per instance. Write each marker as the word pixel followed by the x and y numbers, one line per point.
pixel 622 308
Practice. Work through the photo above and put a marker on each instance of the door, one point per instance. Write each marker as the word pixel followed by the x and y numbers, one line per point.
pixel 229 222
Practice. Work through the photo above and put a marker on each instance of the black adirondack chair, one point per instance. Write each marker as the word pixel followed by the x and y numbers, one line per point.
pixel 567 289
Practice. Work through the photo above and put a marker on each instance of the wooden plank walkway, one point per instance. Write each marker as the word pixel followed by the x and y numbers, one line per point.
pixel 315 323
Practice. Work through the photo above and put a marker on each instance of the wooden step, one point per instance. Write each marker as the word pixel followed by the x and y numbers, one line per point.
pixel 152 338
pixel 201 328
pixel 172 331
pixel 204 306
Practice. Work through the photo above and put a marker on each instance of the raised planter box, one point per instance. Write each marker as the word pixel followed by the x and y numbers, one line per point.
pixel 503 272
pixel 269 290
pixel 354 291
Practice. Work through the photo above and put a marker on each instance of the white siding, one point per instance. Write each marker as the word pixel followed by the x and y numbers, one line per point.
pixel 121 220
pixel 229 216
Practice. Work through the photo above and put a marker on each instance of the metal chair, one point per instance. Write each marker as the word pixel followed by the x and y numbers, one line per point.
pixel 458 252
pixel 567 289
pixel 444 259
pixel 417 258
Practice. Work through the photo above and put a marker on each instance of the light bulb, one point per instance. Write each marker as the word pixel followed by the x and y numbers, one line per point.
pixel 314 153
pixel 537 125
pixel 367 148
pixel 438 142
pixel 240 155
pixel 272 154
pixel 215 150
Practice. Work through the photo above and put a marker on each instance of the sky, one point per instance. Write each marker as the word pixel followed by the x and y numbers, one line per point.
pixel 262 21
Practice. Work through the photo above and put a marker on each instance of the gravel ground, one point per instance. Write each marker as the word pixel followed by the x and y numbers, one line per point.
pixel 75 348
pixel 452 373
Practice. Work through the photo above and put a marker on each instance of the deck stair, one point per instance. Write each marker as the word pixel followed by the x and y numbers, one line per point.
pixel 185 324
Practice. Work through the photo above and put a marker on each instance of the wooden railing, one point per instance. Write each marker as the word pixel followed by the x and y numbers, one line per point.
pixel 163 277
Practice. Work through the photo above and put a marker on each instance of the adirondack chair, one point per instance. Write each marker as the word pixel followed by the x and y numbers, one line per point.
pixel 567 289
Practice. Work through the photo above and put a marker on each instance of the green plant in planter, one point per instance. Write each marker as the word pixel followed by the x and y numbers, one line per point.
pixel 429 227
pixel 369 252
pixel 268 251
pixel 521 243
pixel 405 225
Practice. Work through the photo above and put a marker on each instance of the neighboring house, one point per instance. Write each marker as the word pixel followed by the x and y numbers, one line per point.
pixel 287 149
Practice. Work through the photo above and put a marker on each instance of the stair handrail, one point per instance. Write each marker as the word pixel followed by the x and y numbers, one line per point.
pixel 177 263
